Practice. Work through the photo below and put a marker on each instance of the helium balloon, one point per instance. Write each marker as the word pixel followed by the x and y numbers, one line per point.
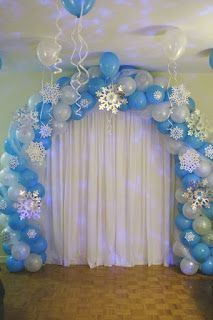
pixel 33 263
pixel 180 114
pixel 204 169
pixel 14 265
pixel 190 238
pixel 161 112
pixel 189 267
pixel 143 80
pixel 137 101
pixel 94 72
pixel 207 267
pixel 165 126
pixel 155 94
pixel 68 95
pixel 174 43
pixel 48 51
pixel 201 225
pixel 179 249
pixel 208 238
pixel 95 84
pixel 5 158
pixel 20 250
pixel 8 147
pixel 200 252
pixel 39 245
pixel 15 191
pixel 190 213
pixel 78 7
pixel 38 187
pixel 61 112
pixel 15 222
pixel 44 110
pixel 8 177
pixel 190 180
pixel 30 234
pixel 25 135
pixel 128 84
pixel 182 223
pixel 109 64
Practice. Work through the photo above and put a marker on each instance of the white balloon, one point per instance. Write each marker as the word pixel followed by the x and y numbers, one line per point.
pixel 179 196
pixel 94 72
pixel 180 113
pixel 20 250
pixel 180 250
pixel 5 160
pixel 189 267
pixel 69 95
pixel 48 51
pixel 161 112
pixel 174 43
pixel 204 168
pixel 15 191
pixel 59 127
pixel 128 84
pixel 161 81
pixel 61 112
pixel 34 100
pixel 143 80
pixel 8 178
pixel 33 263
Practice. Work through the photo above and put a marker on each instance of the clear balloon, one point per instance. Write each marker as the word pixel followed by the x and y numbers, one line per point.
pixel 5 160
pixel 143 80
pixel 34 100
pixel 61 112
pixel 189 267
pixel 190 213
pixel 20 250
pixel 204 168
pixel 179 196
pixel 68 95
pixel 8 178
pixel 15 191
pixel 161 81
pixel 9 235
pixel 201 225
pixel 59 127
pixel 128 84
pixel 25 135
pixel 161 112
pixel 33 263
pixel 180 113
pixel 174 43
pixel 208 238
pixel 94 72
pixel 48 51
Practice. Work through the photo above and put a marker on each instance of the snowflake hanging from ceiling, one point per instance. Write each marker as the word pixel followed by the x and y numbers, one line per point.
pixel 197 125
pixel 28 205
pixel 31 233
pixel 26 118
pixel 198 198
pixel 84 103
pixel 157 95
pixel 51 93
pixel 111 98
pixel 3 204
pixel 45 131
pixel 36 152
pixel 209 152
pixel 13 162
pixel 190 160
pixel 176 133
pixel 189 236
pixel 179 95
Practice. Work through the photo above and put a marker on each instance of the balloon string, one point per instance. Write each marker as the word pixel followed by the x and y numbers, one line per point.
pixel 58 35
pixel 172 70
pixel 109 123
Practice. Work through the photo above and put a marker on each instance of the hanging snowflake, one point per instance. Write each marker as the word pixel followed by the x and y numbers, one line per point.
pixel 3 204
pixel 29 205
pixel 45 131
pixel 209 152
pixel 197 125
pixel 176 133
pixel 189 236
pixel 111 98
pixel 198 198
pixel 36 152
pixel 25 118
pixel 31 233
pixel 179 95
pixel 157 95
pixel 84 103
pixel 51 93
pixel 13 162
pixel 190 160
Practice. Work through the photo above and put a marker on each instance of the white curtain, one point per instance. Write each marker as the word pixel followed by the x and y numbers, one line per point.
pixel 108 193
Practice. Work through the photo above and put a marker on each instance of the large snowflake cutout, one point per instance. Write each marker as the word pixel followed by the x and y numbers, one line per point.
pixel 198 198
pixel 31 233
pixel 13 162
pixel 36 152
pixel 197 125
pixel 189 236
pixel 179 95
pixel 3 204
pixel 111 98
pixel 25 118
pixel 51 93
pixel 45 131
pixel 190 160
pixel 176 133
pixel 209 152
pixel 29 205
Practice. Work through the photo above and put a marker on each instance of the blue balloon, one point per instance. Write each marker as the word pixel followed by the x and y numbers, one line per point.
pixel 211 59
pixel 190 238
pixel 47 142
pixel 14 265
pixel 124 107
pixel 155 94
pixel 180 172
pixel 30 234
pixel 207 267
pixel 137 101
pixel 182 223
pixel 15 223
pixel 39 246
pixel 109 64
pixel 200 252
pixel 95 85
pixel 7 248
pixel 164 126
pixel 91 101
pixel 75 6
pixel 9 210
pixel 38 187
pixel 28 178
pixel 45 111
pixel 194 142
pixel 8 147
pixel 208 211
pixel 43 257
pixel 76 113
pixel 191 104
pixel 63 82
pixel 190 180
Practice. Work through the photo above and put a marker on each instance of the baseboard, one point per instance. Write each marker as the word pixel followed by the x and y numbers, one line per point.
pixel 2 259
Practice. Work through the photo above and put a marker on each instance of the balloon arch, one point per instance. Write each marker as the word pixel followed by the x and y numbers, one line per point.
pixel 114 89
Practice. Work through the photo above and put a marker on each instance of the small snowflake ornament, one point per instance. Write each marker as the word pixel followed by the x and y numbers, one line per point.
pixel 31 233
pixel 45 131
pixel 179 95
pixel 26 118
pixel 198 198
pixel 111 98
pixel 190 160
pixel 51 93
pixel 28 205
pixel 209 152
pixel 189 236
pixel 36 152
pixel 157 95
pixel 3 204
pixel 13 162
pixel 176 133
pixel 83 103
pixel 197 125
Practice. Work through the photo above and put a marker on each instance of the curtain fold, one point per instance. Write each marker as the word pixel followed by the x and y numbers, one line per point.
pixel 109 198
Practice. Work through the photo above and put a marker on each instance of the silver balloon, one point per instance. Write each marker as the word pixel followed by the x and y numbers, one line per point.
pixel 15 191
pixel 143 80
pixel 68 95
pixel 48 51
pixel 94 72
pixel 180 113
pixel 25 135
pixel 61 112
pixel 20 250
pixel 190 213
pixel 3 220
pixel 9 235
pixel 179 250
pixel 5 160
pixel 8 178
pixel 204 168
pixel 210 180
pixel 161 81
pixel 174 43
pixel 201 225
pixel 208 238
pixel 59 127
pixel 179 196
pixel 33 263
pixel 128 84
pixel 172 145
pixel 161 112
pixel 34 100
pixel 189 267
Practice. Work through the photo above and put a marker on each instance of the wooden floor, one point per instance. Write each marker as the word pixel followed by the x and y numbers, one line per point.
pixel 154 293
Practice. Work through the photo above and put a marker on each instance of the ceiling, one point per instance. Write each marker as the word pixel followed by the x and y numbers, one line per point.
pixel 134 29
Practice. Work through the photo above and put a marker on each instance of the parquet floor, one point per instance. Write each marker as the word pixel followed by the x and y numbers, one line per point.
pixel 80 293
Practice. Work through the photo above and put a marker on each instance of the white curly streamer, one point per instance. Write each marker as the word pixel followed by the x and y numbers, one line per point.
pixel 56 39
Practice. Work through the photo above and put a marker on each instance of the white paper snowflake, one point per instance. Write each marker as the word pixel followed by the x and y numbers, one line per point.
pixel 28 205
pixel 198 198
pixel 13 162
pixel 51 93
pixel 36 152
pixel 31 233
pixel 209 152
pixel 190 160
pixel 176 133
pixel 189 236
pixel 111 98
pixel 158 95
pixel 179 95
pixel 24 117
pixel 197 125
pixel 3 204
pixel 84 103
pixel 45 131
